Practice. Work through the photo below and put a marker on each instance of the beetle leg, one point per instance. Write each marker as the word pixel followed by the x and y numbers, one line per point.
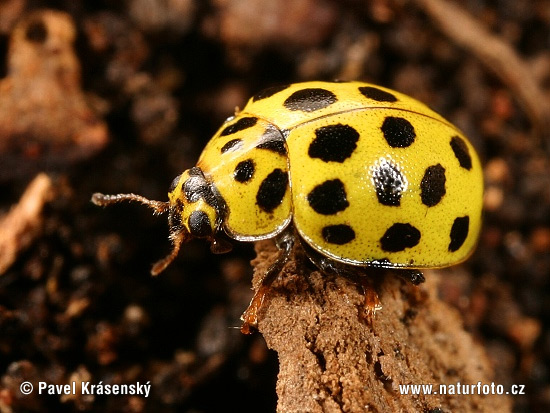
pixel 250 316
pixel 415 277
pixel 372 302
pixel 356 274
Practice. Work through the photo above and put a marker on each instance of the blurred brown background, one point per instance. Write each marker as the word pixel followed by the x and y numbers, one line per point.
pixel 121 96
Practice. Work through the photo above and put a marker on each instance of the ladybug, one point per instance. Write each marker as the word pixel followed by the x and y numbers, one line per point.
pixel 358 174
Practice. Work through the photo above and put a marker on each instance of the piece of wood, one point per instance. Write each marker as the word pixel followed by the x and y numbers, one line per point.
pixel 333 361
pixel 21 225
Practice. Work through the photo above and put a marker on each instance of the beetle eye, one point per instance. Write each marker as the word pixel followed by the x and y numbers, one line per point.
pixel 174 183
pixel 199 224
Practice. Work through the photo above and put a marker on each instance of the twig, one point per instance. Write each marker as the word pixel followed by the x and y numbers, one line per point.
pixel 497 55
pixel 20 226
pixel 333 361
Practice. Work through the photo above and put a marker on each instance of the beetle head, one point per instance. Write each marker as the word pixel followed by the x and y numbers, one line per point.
pixel 194 211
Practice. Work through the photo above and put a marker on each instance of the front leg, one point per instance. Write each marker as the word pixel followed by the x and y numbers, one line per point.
pixel 285 242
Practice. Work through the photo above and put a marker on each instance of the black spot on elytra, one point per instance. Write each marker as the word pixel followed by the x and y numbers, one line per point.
pixel 36 31
pixel 244 171
pixel 272 190
pixel 199 224
pixel 174 183
pixel 272 140
pixel 398 132
pixel 310 100
pixel 333 143
pixel 241 124
pixel 328 198
pixel 377 94
pixel 277 146
pixel 389 183
pixel 270 91
pixel 459 232
pixel 432 186
pixel 232 145
pixel 338 234
pixel 400 236
pixel 461 151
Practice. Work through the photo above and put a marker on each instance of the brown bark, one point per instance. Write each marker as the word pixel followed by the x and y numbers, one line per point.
pixel 22 224
pixel 331 360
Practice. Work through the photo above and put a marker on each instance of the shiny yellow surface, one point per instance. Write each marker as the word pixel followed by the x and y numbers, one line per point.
pixel 368 218
pixel 365 214
pixel 349 99
pixel 245 221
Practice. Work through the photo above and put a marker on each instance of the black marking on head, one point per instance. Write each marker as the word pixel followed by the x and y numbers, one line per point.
pixel 193 187
pixel 244 171
pixel 461 152
pixel 459 232
pixel 338 234
pixel 196 171
pixel 272 190
pixel 241 124
pixel 399 236
pixel 196 187
pixel 389 183
pixel 174 183
pixel 273 140
pixel 36 31
pixel 270 91
pixel 232 145
pixel 310 99
pixel 398 132
pixel 328 198
pixel 199 224
pixel 432 186
pixel 333 143
pixel 377 94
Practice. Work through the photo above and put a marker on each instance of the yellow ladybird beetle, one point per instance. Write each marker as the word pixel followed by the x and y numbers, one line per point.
pixel 360 175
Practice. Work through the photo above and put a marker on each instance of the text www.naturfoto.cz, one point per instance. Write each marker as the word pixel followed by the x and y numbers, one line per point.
pixel 460 388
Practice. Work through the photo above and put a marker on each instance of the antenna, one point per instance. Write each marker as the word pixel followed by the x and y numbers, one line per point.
pixel 177 239
pixel 159 207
